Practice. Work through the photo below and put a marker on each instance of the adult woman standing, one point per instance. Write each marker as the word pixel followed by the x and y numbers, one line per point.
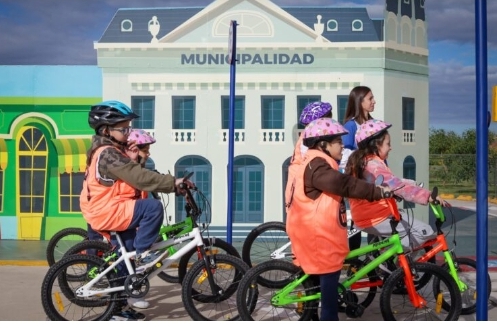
pixel 360 104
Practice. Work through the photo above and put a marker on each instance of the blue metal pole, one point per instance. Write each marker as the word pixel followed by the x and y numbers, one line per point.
pixel 481 160
pixel 231 140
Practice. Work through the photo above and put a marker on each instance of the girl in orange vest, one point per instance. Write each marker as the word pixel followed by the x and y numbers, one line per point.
pixel 316 214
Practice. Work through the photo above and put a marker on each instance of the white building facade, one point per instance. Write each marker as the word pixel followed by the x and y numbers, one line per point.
pixel 170 65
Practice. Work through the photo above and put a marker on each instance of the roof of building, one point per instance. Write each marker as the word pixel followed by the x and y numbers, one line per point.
pixel 342 24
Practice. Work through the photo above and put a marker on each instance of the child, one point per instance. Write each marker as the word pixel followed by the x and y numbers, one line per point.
pixel 111 196
pixel 367 163
pixel 311 112
pixel 316 215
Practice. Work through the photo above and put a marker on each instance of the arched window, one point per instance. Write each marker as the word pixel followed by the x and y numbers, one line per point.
pixel 357 25
pixel 248 190
pixel 332 25
pixel 202 177
pixel 126 25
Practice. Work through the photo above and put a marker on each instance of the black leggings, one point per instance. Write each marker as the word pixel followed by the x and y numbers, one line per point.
pixel 329 296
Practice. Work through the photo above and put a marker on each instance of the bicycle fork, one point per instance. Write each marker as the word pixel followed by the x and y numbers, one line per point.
pixel 416 300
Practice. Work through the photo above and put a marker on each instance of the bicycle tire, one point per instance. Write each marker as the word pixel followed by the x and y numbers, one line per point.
pixel 68 307
pixel 228 271
pixel 97 248
pixel 62 241
pixel 466 271
pixel 392 304
pixel 254 299
pixel 209 243
pixel 258 247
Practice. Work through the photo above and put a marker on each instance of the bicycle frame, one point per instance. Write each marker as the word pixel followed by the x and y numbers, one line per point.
pixel 439 244
pixel 194 236
pixel 284 297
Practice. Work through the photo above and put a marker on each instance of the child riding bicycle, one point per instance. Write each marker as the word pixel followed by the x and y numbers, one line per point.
pixel 111 198
pixel 316 214
pixel 367 163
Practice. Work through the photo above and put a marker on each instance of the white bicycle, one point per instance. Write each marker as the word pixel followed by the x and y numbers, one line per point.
pixel 85 287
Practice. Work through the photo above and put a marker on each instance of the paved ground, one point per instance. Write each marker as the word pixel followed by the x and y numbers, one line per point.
pixel 23 266
pixel 20 299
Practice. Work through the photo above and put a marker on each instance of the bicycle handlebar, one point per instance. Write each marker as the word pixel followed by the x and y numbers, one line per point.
pixel 436 206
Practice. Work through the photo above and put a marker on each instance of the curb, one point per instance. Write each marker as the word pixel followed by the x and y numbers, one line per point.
pixel 23 263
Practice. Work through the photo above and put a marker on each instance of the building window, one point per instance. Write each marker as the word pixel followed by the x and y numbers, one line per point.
pixel 183 112
pixel 239 112
pixel 409 172
pixel 248 190
pixel 202 176
pixel 32 164
pixel 126 25
pixel 332 25
pixel 407 114
pixel 273 110
pixel 302 101
pixel 143 106
pixel 342 107
pixel 70 185
pixel 357 25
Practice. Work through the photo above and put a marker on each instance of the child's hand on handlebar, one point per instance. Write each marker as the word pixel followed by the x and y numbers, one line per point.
pixel 386 192
pixel 439 201
pixel 181 185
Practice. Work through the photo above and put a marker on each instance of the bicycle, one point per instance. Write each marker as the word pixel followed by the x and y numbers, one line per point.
pixel 63 243
pixel 292 294
pixel 269 240
pixel 94 291
pixel 463 270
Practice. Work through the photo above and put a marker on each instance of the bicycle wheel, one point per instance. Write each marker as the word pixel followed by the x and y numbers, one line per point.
pixel 397 306
pixel 94 248
pixel 254 300
pixel 58 294
pixel 466 271
pixel 264 240
pixel 62 241
pixel 364 290
pixel 220 305
pixel 212 246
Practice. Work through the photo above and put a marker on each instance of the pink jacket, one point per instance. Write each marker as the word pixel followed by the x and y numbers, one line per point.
pixel 367 214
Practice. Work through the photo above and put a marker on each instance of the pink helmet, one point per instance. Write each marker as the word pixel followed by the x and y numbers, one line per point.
pixel 314 111
pixel 141 137
pixel 322 129
pixel 370 129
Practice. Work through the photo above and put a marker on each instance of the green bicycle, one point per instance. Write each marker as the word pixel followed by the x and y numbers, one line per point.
pixel 290 294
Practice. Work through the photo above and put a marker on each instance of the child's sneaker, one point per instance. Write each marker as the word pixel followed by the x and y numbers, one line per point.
pixel 138 303
pixel 128 314
pixel 144 260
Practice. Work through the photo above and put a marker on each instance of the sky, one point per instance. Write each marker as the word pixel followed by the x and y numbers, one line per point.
pixel 62 32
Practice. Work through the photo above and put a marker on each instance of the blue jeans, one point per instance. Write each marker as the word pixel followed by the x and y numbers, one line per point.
pixel 148 217
pixel 329 296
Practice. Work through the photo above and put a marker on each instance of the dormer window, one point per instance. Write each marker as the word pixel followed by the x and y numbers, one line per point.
pixel 332 25
pixel 357 25
pixel 126 25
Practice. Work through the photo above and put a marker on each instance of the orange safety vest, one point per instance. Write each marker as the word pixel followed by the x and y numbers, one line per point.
pixel 317 228
pixel 106 208
pixel 292 169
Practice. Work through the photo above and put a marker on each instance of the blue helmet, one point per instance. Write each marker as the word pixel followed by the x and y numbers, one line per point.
pixel 109 113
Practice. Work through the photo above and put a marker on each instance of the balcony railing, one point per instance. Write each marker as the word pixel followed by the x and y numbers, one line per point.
pixel 239 135
pixel 272 136
pixel 409 137
pixel 183 136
